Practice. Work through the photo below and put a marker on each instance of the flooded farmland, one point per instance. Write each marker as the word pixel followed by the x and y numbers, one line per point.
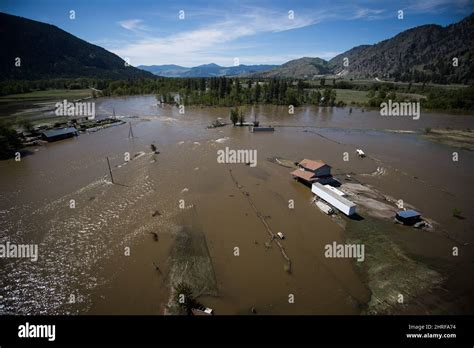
pixel 180 215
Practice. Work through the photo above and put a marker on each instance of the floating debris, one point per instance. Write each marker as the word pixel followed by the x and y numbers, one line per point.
pixel 222 140
pixel 217 123
pixel 360 153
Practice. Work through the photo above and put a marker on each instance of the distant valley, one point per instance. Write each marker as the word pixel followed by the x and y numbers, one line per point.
pixel 206 70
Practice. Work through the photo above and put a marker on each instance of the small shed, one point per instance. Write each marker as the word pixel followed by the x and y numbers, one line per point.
pixel 408 217
pixel 59 133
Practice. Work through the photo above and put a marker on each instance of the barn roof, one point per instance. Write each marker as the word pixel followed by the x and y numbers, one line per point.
pixel 58 132
pixel 312 164
pixel 303 174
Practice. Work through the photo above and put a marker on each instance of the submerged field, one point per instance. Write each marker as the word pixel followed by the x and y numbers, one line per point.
pixel 105 251
pixel 37 107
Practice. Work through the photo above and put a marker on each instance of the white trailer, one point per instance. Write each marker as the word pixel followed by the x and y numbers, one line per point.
pixel 335 190
pixel 337 201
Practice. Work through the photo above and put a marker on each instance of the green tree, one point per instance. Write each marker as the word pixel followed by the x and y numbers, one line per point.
pixel 291 97
pixel 234 116
pixel 184 297
pixel 26 125
pixel 241 118
pixel 257 92
pixel 9 141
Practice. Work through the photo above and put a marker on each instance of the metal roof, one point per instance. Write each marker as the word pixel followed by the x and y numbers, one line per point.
pixel 406 214
pixel 311 164
pixel 303 174
pixel 57 132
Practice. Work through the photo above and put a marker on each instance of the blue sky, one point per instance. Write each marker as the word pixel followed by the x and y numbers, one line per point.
pixel 256 32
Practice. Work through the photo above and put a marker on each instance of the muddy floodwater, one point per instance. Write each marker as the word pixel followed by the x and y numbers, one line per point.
pixel 98 253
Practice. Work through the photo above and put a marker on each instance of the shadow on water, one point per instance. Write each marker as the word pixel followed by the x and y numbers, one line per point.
pixel 356 217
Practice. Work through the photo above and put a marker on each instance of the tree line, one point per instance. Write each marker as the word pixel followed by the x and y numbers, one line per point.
pixel 228 91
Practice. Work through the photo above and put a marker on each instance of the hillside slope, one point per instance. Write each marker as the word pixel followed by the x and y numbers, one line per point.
pixel 49 52
pixel 423 53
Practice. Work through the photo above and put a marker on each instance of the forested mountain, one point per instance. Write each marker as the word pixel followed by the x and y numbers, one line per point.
pixel 45 51
pixel 423 53
pixel 299 68
pixel 420 54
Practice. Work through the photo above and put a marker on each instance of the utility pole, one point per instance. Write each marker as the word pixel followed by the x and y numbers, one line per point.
pixel 130 132
pixel 110 171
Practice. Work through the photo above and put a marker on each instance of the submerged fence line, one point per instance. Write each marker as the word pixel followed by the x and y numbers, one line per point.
pixel 264 221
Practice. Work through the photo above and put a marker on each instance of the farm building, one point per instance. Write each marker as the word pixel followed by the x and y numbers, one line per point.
pixel 310 171
pixel 408 217
pixel 319 168
pixel 59 134
pixel 336 200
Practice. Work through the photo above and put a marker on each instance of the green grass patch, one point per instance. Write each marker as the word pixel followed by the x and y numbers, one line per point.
pixel 350 96
pixel 48 94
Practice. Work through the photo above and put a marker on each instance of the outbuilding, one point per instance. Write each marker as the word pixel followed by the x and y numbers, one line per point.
pixel 59 133
pixel 408 217
pixel 310 171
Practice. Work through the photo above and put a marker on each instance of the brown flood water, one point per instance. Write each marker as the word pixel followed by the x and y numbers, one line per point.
pixel 84 251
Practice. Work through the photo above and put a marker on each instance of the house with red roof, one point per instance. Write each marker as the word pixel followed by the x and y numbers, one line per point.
pixel 310 171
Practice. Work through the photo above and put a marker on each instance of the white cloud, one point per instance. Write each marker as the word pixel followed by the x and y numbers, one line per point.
pixel 132 24
pixel 366 13
pixel 219 40
pixel 436 5
pixel 196 46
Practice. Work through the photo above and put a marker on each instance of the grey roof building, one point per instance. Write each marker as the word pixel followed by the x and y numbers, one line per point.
pixel 58 134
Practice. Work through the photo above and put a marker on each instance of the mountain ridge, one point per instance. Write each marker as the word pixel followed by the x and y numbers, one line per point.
pixel 46 51
pixel 419 54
